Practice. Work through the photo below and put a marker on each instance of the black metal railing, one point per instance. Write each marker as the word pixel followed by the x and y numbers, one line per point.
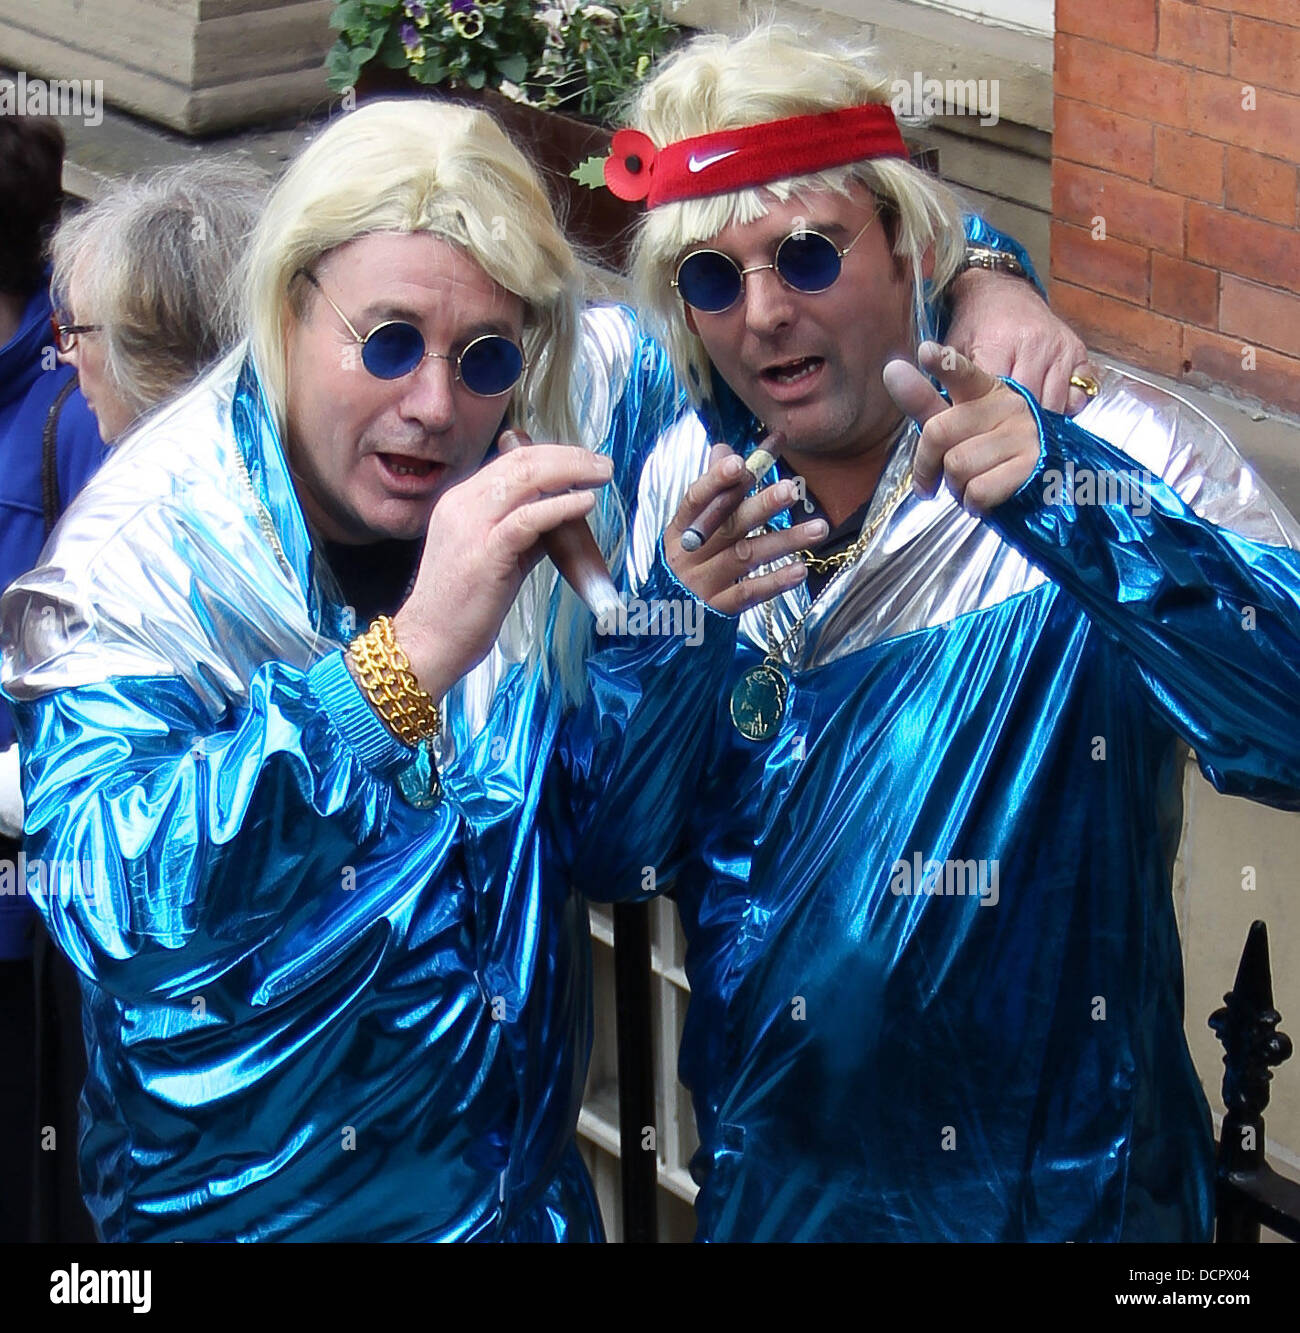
pixel 1250 1194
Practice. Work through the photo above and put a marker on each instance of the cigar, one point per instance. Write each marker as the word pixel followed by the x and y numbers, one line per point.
pixel 768 451
pixel 574 552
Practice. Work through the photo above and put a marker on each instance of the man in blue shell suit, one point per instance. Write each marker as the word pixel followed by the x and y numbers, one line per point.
pixel 935 974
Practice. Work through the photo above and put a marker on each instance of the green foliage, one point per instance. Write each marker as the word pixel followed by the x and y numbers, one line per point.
pixel 584 60
pixel 462 43
pixel 599 56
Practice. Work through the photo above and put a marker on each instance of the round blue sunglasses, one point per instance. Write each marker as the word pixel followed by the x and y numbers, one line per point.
pixel 805 260
pixel 487 366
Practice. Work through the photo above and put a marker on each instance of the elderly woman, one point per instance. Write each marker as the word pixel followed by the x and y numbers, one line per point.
pixel 143 278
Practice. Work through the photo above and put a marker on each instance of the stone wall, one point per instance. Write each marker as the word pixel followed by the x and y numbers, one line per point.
pixel 193 65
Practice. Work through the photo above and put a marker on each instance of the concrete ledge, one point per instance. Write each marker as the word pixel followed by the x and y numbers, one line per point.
pixel 198 66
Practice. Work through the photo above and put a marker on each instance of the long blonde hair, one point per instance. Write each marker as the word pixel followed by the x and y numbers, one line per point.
pixel 424 166
pixel 716 83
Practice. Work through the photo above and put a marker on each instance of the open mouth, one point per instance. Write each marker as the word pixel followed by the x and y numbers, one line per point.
pixel 792 372
pixel 405 474
pixel 403 465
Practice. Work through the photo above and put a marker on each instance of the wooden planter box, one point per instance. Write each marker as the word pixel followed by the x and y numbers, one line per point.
pixel 597 222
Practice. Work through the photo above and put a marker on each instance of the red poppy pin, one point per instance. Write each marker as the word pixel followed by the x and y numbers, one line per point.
pixel 627 168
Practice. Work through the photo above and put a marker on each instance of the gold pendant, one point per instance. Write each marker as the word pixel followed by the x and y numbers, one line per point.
pixel 758 701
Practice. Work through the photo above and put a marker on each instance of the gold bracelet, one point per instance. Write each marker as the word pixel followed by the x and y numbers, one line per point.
pixel 384 673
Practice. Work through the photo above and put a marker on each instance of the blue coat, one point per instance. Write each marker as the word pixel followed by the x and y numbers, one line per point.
pixel 317 1010
pixel 936 985
pixel 30 379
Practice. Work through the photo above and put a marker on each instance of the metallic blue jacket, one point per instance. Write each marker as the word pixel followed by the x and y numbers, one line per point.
pixel 936 986
pixel 315 1011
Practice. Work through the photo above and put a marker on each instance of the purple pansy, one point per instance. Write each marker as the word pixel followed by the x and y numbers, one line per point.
pixel 413 43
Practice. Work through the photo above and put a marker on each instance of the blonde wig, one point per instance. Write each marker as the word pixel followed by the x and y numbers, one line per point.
pixel 449 170
pixel 717 83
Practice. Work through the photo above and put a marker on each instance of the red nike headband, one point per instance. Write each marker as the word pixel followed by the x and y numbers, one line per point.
pixel 738 159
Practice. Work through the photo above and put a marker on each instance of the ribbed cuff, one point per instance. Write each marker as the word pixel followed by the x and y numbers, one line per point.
pixel 357 722
pixel 661 582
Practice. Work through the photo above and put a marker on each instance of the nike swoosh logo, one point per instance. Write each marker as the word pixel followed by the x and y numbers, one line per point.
pixel 700 163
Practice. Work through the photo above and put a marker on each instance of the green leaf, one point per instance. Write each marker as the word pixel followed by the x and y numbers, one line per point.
pixel 391 52
pixel 349 16
pixel 343 66
pixel 372 43
pixel 514 68
pixel 590 173
pixel 476 78
pixel 430 72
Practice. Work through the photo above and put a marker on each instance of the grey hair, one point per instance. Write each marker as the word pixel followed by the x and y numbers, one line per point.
pixel 156 260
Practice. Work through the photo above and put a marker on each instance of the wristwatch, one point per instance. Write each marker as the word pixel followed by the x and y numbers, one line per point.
pixel 980 256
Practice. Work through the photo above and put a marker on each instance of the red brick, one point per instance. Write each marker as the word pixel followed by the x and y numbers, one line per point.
pixel 1129 331
pixel 1261 186
pixel 1192 35
pixel 1279 11
pixel 1132 212
pixel 1211 359
pixel 1149 89
pixel 1245 246
pixel 1187 292
pixel 1261 315
pixel 1129 23
pixel 1188 165
pixel 1266 53
pixel 1214 108
pixel 1099 138
pixel 1102 266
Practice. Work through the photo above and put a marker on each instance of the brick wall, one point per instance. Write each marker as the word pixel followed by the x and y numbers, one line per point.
pixel 1175 187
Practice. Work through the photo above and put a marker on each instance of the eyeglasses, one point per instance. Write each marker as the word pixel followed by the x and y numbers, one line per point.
pixel 806 261
pixel 488 366
pixel 65 335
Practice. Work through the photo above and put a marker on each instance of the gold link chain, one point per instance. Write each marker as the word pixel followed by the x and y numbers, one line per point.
pixel 836 564
pixel 384 673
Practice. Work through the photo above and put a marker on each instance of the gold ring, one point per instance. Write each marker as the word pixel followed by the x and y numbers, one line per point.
pixel 1087 384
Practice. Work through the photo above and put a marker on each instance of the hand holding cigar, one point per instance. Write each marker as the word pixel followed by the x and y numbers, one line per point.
pixel 574 552
pixel 708 542
pixel 757 465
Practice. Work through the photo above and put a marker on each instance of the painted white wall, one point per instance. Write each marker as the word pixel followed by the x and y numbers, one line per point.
pixel 1027 15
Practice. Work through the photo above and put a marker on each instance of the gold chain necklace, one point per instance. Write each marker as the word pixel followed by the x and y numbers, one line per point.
pixel 759 697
